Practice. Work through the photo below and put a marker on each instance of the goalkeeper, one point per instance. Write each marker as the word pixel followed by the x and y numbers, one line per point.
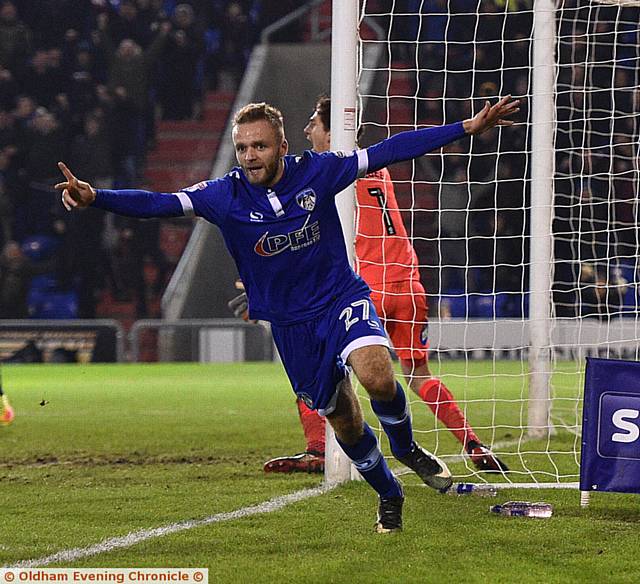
pixel 387 262
pixel 278 217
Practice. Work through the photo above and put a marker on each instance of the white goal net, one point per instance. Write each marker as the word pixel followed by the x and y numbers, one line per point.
pixel 527 237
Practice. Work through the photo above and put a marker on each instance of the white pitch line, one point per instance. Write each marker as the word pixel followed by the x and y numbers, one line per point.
pixel 136 537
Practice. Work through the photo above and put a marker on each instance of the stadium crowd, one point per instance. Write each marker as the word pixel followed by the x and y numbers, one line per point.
pixel 86 80
pixel 477 195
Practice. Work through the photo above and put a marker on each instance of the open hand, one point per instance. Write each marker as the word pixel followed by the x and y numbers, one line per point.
pixel 75 193
pixel 492 115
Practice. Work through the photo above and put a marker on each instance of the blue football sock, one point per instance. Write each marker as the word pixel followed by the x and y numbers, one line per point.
pixel 368 459
pixel 396 421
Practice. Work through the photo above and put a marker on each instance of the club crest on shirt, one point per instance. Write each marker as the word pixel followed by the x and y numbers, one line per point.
pixel 306 199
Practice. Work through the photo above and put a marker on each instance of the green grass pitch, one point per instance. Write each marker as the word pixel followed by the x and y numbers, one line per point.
pixel 120 448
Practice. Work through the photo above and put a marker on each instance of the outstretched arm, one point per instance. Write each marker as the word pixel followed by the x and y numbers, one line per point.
pixel 412 144
pixel 78 194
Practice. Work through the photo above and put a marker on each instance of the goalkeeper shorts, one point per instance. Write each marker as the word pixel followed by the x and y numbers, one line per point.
pixel 402 306
pixel 315 352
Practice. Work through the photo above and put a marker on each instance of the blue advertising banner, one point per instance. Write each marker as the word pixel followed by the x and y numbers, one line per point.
pixel 610 459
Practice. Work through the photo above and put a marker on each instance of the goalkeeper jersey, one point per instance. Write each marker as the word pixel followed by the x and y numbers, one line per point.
pixel 383 250
pixel 286 240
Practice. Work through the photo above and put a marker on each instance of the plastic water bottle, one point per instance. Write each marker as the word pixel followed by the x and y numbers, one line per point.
pixel 523 509
pixel 481 490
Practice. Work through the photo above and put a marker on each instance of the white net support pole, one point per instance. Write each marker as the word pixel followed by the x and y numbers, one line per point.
pixel 542 165
pixel 344 68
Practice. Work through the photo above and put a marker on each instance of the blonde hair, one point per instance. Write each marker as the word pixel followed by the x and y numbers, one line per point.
pixel 254 112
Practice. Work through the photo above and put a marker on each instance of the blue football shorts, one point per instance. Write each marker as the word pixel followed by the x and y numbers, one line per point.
pixel 314 352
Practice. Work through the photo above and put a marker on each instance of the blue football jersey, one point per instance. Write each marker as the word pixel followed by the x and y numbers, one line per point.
pixel 286 240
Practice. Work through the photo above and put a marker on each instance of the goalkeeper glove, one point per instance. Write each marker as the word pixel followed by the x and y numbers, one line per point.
pixel 240 306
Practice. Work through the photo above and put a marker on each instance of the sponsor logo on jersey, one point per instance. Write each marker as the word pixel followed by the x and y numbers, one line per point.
pixel 270 245
pixel 306 199
pixel 256 216
pixel 197 187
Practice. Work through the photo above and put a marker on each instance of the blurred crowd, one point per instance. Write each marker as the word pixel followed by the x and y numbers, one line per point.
pixel 85 81
pixel 474 231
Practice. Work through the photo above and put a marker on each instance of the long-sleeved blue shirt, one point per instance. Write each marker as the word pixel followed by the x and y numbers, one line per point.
pixel 286 239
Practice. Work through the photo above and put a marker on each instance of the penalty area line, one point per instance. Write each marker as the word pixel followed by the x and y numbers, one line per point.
pixel 136 537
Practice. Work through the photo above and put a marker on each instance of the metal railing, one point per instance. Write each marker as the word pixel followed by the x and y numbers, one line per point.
pixel 261 334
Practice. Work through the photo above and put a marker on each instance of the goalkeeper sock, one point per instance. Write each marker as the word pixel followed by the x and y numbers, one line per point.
pixel 367 458
pixel 313 426
pixel 396 421
pixel 442 403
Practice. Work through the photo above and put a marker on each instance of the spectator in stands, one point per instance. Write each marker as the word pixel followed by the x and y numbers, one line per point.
pixel 9 89
pixel 601 291
pixel 49 20
pixel 510 252
pixel 181 84
pixel 43 140
pixel 6 210
pixel 122 120
pixel 46 138
pixel 123 271
pixel 235 43
pixel 146 247
pixel 8 134
pixel 453 238
pixel 23 114
pixel 81 260
pixel 482 231
pixel 16 271
pixel 53 76
pixel 15 37
pixel 126 24
pixel 130 66
pixel 43 78
pixel 130 71
pixel 151 13
pixel 91 151
pixel 82 81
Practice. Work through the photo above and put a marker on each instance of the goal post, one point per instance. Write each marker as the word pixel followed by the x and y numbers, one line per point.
pixel 542 163
pixel 344 46
pixel 526 236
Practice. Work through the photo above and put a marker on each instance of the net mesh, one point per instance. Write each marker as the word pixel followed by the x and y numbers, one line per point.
pixel 467 208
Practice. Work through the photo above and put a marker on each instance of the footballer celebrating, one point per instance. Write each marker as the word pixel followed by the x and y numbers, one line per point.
pixel 387 262
pixel 278 218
